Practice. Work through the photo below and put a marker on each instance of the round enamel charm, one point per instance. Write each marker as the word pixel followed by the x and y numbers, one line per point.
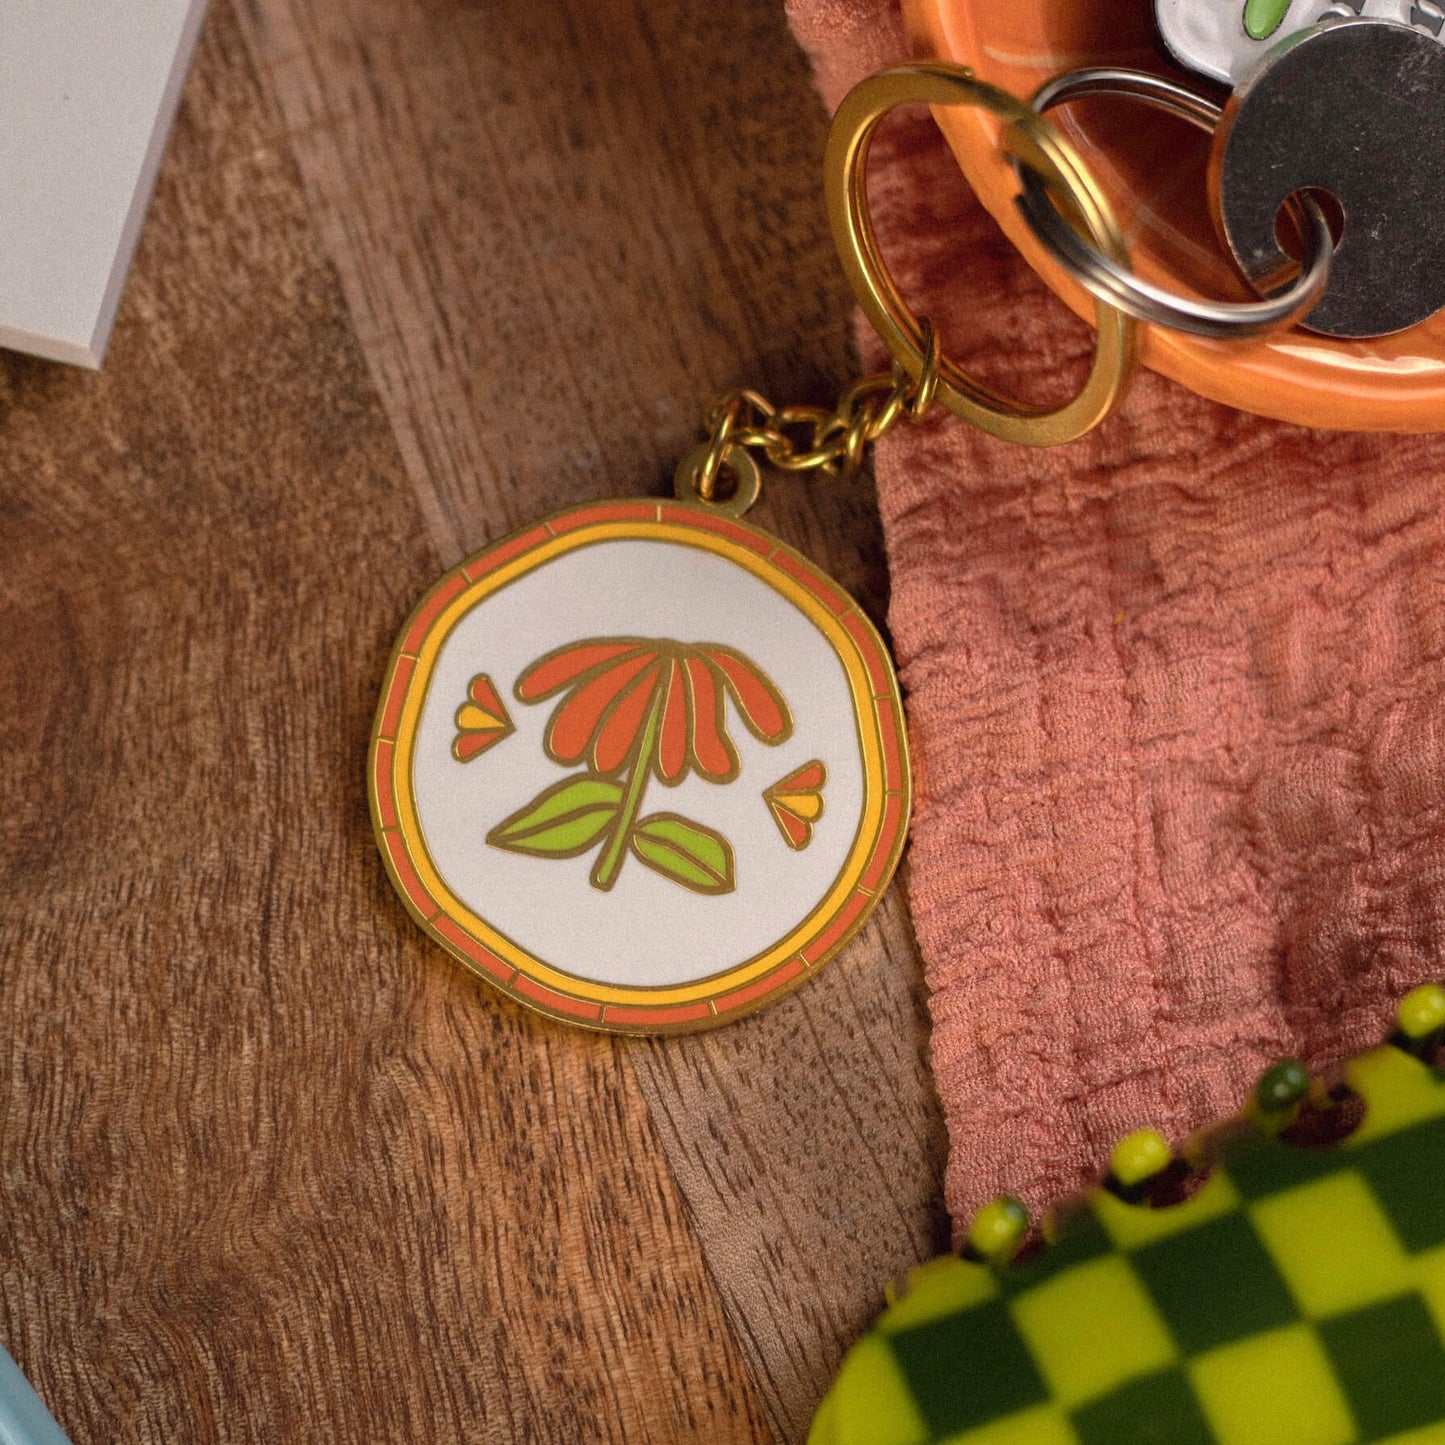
pixel 642 766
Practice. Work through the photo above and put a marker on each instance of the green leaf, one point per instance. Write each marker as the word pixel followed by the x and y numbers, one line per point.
pixel 563 821
pixel 686 852
pixel 1263 17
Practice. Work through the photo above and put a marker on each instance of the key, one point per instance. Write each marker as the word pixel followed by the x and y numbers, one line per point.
pixel 1225 39
pixel 1355 108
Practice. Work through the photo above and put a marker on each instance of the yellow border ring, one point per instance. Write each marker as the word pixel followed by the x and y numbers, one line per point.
pixel 1034 143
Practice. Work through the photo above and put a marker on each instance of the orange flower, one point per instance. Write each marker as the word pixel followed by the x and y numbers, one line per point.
pixel 628 698
pixel 796 803
pixel 482 721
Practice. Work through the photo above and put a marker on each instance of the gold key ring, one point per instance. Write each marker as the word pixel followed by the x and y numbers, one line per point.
pixel 1036 144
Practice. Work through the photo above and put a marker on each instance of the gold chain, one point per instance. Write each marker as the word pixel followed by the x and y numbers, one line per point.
pixel 744 427
pixel 808 438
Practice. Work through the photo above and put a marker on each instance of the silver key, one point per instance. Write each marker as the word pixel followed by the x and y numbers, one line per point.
pixel 1226 39
pixel 1356 109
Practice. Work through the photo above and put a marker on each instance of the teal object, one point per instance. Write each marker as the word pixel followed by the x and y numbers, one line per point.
pixel 24 1420
pixel 1293 1293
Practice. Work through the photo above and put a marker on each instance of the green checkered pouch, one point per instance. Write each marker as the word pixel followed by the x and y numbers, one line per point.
pixel 1296 1298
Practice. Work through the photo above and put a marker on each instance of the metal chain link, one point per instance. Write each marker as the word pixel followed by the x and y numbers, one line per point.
pixel 809 438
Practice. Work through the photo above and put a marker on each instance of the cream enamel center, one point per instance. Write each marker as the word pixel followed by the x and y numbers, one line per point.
pixel 646 931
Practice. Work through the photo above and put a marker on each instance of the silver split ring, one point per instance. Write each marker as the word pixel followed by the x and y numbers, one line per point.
pixel 1114 284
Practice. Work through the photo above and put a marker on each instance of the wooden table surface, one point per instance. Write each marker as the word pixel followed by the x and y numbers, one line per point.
pixel 272 1167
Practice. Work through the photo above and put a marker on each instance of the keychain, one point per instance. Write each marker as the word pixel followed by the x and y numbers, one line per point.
pixel 643 766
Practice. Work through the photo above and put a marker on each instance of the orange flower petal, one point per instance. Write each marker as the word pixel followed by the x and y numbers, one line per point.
pixel 810 777
pixel 468 745
pixel 672 740
pixel 758 701
pixel 484 693
pixel 621 726
pixel 578 716
pixel 710 746
pixel 796 831
pixel 553 672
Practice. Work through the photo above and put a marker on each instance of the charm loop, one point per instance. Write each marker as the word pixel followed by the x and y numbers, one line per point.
pixel 692 484
pixel 1032 142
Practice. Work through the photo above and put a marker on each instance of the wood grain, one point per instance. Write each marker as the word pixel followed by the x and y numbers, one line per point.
pixel 270 1166
pixel 809 1149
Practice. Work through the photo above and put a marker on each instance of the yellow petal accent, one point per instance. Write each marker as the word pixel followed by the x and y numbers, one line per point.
pixel 801 805
pixel 472 719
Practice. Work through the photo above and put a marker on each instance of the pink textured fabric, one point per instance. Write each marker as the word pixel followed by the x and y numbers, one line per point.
pixel 1175 696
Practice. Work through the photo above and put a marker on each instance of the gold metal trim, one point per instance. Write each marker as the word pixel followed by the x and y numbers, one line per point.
pixel 1037 145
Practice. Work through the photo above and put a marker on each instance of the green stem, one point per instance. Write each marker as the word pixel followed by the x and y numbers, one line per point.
pixel 604 875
